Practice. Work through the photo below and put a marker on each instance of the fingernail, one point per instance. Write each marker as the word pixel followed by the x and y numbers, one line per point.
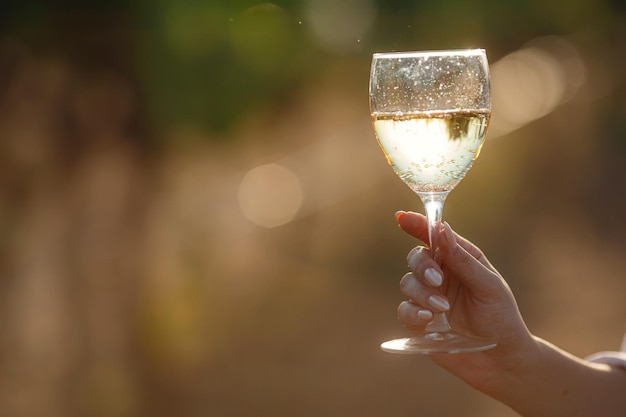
pixel 425 315
pixel 433 277
pixel 399 214
pixel 449 234
pixel 439 302
pixel 412 258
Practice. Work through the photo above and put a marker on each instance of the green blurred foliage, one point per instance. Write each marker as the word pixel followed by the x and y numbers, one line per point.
pixel 208 63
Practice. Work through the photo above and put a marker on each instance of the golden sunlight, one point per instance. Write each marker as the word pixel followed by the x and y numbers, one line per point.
pixel 533 81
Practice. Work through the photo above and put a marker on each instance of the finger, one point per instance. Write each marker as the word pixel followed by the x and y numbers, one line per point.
pixel 470 265
pixel 472 249
pixel 422 294
pixel 414 224
pixel 413 317
pixel 423 265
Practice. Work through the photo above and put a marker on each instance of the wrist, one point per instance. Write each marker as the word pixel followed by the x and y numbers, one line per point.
pixel 524 376
pixel 549 381
pixel 518 363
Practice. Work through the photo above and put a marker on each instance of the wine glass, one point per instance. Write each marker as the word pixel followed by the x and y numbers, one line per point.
pixel 430 112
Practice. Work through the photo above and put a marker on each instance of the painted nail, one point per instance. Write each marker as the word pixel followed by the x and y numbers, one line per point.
pixel 433 277
pixel 439 302
pixel 412 257
pixel 449 234
pixel 399 215
pixel 425 315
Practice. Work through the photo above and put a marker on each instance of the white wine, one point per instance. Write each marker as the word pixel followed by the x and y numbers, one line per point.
pixel 431 151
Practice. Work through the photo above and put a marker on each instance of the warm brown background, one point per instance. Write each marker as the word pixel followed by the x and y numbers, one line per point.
pixel 131 283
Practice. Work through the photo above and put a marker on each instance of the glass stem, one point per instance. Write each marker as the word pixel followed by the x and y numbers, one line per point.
pixel 433 205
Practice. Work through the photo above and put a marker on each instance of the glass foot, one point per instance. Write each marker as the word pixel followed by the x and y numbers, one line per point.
pixel 437 342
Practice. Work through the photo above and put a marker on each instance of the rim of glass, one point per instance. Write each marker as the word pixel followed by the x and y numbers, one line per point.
pixel 443 52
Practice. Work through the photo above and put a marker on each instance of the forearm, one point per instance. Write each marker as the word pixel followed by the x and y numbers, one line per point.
pixel 554 383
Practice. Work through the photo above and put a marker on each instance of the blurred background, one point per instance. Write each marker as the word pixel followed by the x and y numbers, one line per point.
pixel 196 219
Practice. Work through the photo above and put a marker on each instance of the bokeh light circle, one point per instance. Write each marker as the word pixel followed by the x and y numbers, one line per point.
pixel 270 195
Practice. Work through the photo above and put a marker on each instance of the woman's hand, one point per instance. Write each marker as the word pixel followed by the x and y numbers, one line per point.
pixel 477 299
pixel 528 374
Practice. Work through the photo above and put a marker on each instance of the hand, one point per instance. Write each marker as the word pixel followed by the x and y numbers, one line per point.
pixel 479 301
pixel 527 373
